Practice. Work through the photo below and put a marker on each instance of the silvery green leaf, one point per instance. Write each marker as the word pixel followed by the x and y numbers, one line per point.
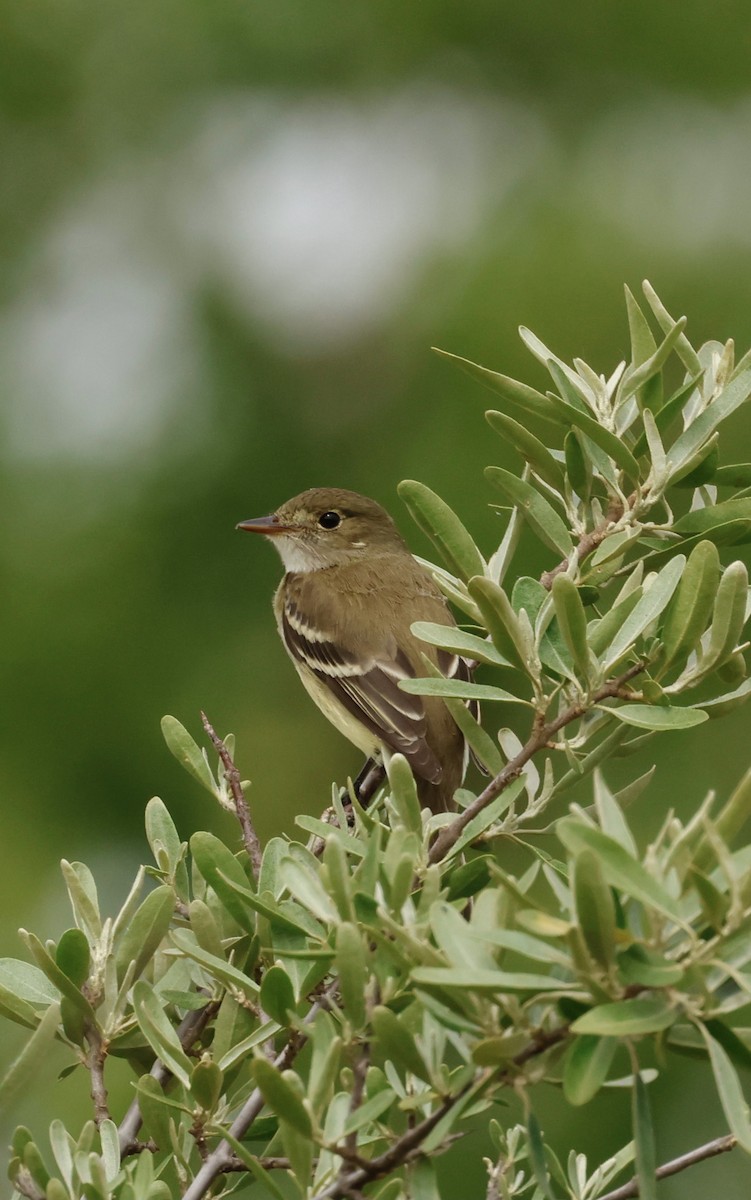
pixel 539 514
pixel 443 527
pixel 640 375
pixel 649 606
pixel 657 717
pixel 188 753
pixel 530 447
pixel 519 394
pixel 684 349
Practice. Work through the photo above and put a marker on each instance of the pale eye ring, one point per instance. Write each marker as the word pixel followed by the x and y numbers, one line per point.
pixel 329 520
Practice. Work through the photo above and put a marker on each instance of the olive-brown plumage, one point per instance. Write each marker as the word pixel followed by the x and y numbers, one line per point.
pixel 344 610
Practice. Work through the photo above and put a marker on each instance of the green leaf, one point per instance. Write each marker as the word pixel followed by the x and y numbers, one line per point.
pixel 649 606
pixel 307 888
pixel 404 792
pixel 578 464
pixel 154 1110
pixel 397 1043
pixel 728 618
pixel 608 442
pixel 187 753
pixel 27 982
pixel 61 981
pixel 227 974
pixel 733 475
pixel 572 620
pixel 699 431
pixel 628 1018
pixel 146 931
pixel 684 349
pixel 618 867
pixel 644 1141
pixel 217 865
pixel 352 969
pixel 73 956
pixel 601 633
pixel 541 517
pixel 500 619
pixel 635 379
pixel 594 908
pixel 278 995
pixel 588 1060
pixel 729 1091
pixel 444 529
pixel 537 1156
pixel 206 1083
pixel 35 1053
pixel 206 930
pixel 691 606
pixel 281 1097
pixel 519 394
pixel 639 965
pixel 456 641
pixel 83 898
pixel 530 447
pixel 484 980
pixel 159 1033
pixel 458 689
pixel 162 835
pixel 371 1110
pixel 657 717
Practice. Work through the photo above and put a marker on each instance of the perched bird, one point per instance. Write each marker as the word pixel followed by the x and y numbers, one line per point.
pixel 344 610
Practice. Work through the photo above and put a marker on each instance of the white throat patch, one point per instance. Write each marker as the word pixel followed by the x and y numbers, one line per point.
pixel 298 559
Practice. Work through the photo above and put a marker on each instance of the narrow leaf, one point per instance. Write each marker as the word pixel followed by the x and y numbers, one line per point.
pixel 519 394
pixel 541 517
pixel 729 1090
pixel 652 602
pixel 618 867
pixel 443 527
pixel 657 717
pixel 586 1067
pixel 187 752
pixel 530 447
pixel 281 1097
pixel 627 1018
pixel 572 620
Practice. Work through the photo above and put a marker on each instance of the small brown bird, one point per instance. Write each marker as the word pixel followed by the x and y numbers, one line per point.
pixel 344 610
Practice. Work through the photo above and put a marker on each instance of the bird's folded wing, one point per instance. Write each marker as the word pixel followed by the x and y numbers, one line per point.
pixel 368 688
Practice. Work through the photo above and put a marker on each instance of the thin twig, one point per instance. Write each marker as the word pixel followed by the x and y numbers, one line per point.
pixel 189 1030
pixel 587 543
pixel 720 1145
pixel 250 837
pixel 95 1062
pixel 216 1163
pixel 541 735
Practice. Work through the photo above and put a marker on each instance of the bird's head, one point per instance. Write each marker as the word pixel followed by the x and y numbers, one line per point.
pixel 326 527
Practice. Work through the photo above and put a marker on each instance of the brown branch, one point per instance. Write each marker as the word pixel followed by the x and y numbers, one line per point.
pixel 189 1030
pixel 216 1163
pixel 250 837
pixel 542 734
pixel 95 1061
pixel 720 1145
pixel 586 544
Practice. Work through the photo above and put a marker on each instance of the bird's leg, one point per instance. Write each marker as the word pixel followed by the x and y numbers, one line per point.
pixel 369 780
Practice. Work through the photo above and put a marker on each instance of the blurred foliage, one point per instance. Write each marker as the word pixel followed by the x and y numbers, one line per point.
pixel 229 235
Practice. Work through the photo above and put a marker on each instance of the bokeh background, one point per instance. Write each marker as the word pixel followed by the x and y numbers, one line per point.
pixel 230 233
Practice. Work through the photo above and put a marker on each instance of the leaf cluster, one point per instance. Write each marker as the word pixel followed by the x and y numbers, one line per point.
pixel 382 981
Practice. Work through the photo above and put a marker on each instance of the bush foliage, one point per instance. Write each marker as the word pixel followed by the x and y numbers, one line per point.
pixel 339 1008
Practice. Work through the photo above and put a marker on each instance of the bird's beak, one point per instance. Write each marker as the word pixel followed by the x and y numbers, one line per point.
pixel 271 526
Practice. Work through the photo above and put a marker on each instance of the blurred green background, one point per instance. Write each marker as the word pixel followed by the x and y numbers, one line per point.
pixel 230 233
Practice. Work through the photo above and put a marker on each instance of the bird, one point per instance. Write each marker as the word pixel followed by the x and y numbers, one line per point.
pixel 344 610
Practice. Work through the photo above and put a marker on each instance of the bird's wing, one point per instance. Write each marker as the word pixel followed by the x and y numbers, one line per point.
pixel 367 688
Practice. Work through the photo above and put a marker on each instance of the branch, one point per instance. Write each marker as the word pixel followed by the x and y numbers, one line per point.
pixel 541 735
pixel 96 1059
pixel 189 1030
pixel 586 544
pixel 250 837
pixel 720 1145
pixel 216 1163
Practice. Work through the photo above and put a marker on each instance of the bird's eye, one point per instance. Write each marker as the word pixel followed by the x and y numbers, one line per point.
pixel 329 520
